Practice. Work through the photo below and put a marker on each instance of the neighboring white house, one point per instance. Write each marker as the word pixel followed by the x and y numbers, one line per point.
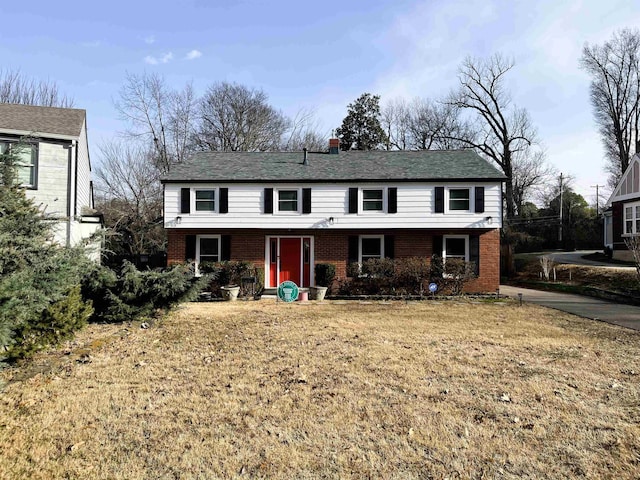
pixel 622 218
pixel 288 211
pixel 55 170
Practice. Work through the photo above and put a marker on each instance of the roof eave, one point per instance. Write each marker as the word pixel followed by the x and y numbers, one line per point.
pixel 24 133
pixel 333 180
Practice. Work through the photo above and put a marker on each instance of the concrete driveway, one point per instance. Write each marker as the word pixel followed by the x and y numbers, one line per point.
pixel 618 314
pixel 575 258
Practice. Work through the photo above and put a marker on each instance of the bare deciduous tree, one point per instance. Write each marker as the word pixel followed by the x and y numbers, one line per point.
pixel 129 194
pixel 437 126
pixel 304 132
pixel 16 88
pixel 503 129
pixel 530 174
pixel 615 93
pixel 233 117
pixel 395 118
pixel 161 119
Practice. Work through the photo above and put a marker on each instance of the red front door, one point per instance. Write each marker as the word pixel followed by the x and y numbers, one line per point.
pixel 290 260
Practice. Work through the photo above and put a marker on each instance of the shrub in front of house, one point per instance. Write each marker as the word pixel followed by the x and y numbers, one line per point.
pixel 325 274
pixel 411 275
pixel 406 276
pixel 58 322
pixel 232 272
pixel 131 293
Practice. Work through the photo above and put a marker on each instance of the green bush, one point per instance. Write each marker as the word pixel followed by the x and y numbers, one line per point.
pixel 133 293
pixel 37 277
pixel 325 273
pixel 57 322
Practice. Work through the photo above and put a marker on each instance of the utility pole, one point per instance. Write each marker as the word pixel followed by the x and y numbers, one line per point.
pixel 560 226
pixel 597 198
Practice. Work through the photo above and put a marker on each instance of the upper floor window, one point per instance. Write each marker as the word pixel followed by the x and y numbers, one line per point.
pixel 26 157
pixel 459 199
pixel 288 201
pixel 205 201
pixel 372 200
pixel 632 219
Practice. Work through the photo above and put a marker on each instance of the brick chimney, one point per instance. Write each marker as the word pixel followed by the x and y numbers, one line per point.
pixel 334 146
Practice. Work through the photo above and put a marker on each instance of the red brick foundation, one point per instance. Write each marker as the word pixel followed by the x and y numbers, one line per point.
pixel 331 246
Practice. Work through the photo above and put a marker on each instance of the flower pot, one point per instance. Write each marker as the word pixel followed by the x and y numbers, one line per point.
pixel 230 292
pixel 317 293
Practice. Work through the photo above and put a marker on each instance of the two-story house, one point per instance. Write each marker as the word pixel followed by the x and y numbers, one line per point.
pixel 54 167
pixel 286 212
pixel 622 218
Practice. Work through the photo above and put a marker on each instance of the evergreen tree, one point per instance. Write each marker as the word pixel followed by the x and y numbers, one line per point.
pixel 361 128
pixel 36 275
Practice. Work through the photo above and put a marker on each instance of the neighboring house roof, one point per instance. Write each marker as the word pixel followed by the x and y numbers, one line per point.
pixel 628 188
pixel 42 121
pixel 372 165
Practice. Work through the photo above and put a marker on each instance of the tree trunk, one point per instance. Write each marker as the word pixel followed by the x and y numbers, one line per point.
pixel 508 191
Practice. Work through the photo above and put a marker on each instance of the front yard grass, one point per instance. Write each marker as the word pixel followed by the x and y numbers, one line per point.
pixel 335 390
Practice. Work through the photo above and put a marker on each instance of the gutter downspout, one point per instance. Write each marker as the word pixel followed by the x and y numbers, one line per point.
pixel 70 188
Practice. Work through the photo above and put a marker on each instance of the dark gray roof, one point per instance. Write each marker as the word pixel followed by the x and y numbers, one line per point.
pixel 41 120
pixel 323 167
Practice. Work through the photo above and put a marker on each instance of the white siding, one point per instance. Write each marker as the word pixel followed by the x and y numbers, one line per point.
pixel 83 198
pixel 53 171
pixel 415 204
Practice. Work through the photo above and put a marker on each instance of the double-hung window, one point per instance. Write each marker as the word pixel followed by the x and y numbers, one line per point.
pixel 371 246
pixel 288 201
pixel 455 246
pixel 459 199
pixel 205 200
pixel 208 248
pixel 632 219
pixel 372 200
pixel 26 158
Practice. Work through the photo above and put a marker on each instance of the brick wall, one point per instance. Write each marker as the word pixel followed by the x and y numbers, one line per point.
pixel 332 247
pixel 489 278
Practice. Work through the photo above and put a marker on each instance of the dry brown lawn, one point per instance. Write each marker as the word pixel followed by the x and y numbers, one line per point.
pixel 332 390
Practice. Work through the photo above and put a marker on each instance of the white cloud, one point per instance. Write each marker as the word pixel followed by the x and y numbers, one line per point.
pixel 150 39
pixel 92 44
pixel 193 54
pixel 166 58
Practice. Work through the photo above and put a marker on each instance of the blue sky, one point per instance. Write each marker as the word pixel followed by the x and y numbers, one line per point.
pixel 324 55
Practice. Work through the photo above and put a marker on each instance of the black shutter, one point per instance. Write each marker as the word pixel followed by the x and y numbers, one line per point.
pixel 353 200
pixel 474 252
pixel 353 249
pixel 224 201
pixel 225 247
pixel 268 200
pixel 185 200
pixel 440 200
pixel 392 200
pixel 190 247
pixel 306 200
pixel 437 245
pixel 389 250
pixel 479 199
